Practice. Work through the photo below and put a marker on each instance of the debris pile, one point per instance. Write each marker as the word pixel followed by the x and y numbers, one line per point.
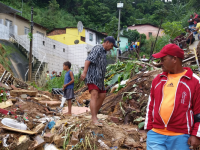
pixel 31 120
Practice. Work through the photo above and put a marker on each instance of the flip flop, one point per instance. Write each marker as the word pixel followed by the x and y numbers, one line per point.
pixel 98 124
pixel 101 121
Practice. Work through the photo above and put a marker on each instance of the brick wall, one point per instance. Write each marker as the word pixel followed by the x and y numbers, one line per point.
pixel 57 32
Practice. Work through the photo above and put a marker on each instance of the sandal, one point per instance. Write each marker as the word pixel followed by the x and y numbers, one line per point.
pixel 101 121
pixel 98 124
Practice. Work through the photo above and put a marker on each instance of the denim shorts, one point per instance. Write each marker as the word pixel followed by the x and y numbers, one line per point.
pixel 157 141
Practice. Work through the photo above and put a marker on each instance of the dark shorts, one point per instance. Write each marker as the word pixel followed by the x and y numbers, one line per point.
pixel 68 94
pixel 92 86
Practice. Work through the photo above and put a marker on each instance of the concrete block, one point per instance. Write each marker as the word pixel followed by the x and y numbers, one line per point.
pixel 48 137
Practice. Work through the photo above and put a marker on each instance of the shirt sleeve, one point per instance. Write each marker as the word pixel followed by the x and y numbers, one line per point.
pixel 92 57
pixel 149 111
pixel 196 110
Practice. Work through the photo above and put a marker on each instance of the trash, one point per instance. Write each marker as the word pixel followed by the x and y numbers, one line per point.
pixel 4 140
pixel 6 104
pixel 141 125
pixel 48 137
pixel 13 124
pixel 74 138
pixel 39 141
pixel 51 124
pixel 17 93
pixel 50 147
pixel 103 145
pixel 39 128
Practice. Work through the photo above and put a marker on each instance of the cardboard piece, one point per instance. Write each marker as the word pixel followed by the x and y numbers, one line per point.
pixel 6 104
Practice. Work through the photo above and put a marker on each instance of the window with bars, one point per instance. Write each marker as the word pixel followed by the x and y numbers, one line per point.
pixel 8 23
pixel 90 36
pixel 26 30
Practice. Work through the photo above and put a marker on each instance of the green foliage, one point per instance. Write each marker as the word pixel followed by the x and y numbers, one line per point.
pixel 173 29
pixel 58 82
pixel 112 27
pixel 96 14
pixel 161 42
pixel 2 95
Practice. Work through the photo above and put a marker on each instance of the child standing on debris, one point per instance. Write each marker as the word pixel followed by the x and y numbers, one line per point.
pixel 68 86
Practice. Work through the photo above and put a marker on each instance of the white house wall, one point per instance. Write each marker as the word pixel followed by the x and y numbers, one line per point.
pixel 55 58
pixel 4 32
pixel 87 36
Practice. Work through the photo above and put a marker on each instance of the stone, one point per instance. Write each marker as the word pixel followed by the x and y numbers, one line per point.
pixel 39 128
pixel 48 137
pixel 17 93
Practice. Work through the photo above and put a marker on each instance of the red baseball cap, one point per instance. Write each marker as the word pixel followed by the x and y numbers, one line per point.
pixel 170 49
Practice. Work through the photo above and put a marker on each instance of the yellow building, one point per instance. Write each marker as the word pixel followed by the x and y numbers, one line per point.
pixel 69 35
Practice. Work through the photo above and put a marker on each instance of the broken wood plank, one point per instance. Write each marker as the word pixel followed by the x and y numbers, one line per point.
pixel 6 104
pixel 17 93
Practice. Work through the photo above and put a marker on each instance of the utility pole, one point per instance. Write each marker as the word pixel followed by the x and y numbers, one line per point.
pixel 119 6
pixel 31 43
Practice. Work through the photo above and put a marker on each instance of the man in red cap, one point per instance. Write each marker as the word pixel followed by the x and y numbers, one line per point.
pixel 173 110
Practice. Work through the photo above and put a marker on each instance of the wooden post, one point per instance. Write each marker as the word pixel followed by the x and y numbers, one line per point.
pixel 31 44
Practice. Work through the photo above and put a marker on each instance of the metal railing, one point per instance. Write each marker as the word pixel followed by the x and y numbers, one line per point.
pixel 40 66
pixel 24 44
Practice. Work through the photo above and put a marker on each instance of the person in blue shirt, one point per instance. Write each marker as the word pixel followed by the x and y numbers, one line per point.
pixel 68 86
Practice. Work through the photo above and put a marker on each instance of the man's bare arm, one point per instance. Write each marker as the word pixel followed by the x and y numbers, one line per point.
pixel 83 76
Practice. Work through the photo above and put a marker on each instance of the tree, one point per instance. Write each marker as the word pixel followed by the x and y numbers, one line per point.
pixel 111 28
pixel 173 29
pixel 50 17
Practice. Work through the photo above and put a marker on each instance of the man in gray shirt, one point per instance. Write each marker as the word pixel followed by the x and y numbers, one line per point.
pixel 94 73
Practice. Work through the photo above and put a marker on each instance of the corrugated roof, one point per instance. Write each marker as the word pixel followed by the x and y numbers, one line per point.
pixel 7 9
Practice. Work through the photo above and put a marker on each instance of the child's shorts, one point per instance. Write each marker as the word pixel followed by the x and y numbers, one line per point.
pixel 68 94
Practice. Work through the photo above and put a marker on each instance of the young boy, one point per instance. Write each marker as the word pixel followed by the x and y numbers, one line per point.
pixel 68 86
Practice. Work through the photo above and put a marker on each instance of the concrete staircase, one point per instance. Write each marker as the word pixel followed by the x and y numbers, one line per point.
pixel 38 68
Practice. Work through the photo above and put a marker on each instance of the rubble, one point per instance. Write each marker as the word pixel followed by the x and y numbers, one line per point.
pixel 122 114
